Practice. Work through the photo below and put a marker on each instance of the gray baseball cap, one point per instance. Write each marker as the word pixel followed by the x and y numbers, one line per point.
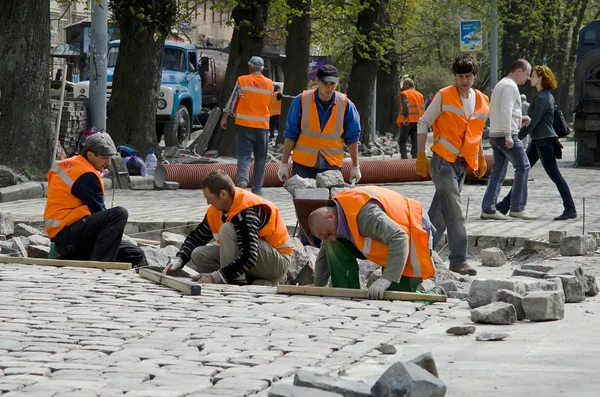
pixel 257 61
pixel 100 143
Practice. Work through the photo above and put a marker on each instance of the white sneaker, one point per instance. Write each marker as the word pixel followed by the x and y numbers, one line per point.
pixel 522 215
pixel 496 215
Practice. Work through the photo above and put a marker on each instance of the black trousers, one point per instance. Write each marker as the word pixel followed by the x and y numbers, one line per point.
pixel 405 133
pixel 273 125
pixel 98 238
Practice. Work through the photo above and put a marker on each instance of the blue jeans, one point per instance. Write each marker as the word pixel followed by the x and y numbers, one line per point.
pixel 310 172
pixel 445 211
pixel 543 150
pixel 502 156
pixel 251 140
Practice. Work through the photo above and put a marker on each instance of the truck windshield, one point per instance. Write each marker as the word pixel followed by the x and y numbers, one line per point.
pixel 173 59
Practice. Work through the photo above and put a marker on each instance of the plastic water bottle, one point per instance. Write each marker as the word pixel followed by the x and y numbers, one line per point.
pixel 151 162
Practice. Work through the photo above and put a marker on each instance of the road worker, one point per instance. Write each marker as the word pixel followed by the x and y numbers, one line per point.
pixel 275 111
pixel 412 107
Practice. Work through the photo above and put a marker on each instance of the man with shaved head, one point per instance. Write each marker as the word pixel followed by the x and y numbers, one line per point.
pixel 372 223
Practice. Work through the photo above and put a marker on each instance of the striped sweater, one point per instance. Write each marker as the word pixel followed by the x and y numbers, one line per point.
pixel 247 223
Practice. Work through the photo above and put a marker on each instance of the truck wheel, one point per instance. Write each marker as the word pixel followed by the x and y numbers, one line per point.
pixel 585 155
pixel 177 131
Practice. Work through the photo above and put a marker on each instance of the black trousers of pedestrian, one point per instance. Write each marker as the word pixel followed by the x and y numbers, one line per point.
pixel 405 133
pixel 98 238
pixel 273 125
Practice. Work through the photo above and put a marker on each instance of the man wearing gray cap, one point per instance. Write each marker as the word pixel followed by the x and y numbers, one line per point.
pixel 75 217
pixel 249 105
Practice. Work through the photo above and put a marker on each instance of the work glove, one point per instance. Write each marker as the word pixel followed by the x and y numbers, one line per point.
pixel 377 289
pixel 480 172
pixel 422 166
pixel 210 278
pixel 173 265
pixel 355 175
pixel 283 172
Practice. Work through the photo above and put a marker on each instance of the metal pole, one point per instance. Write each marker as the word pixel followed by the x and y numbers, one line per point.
pixel 583 220
pixel 59 118
pixel 98 51
pixel 374 112
pixel 494 46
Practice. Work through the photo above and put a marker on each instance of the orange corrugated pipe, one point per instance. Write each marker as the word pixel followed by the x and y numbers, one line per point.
pixel 190 176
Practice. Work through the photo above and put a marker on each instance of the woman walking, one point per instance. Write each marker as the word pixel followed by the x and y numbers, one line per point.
pixel 544 140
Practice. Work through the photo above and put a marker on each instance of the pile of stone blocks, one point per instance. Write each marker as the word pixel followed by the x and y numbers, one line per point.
pixel 415 378
pixel 22 240
pixel 325 186
pixel 74 118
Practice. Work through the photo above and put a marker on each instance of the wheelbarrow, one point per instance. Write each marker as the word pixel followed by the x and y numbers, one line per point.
pixel 303 209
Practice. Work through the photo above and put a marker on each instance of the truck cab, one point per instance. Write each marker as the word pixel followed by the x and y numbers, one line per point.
pixel 180 96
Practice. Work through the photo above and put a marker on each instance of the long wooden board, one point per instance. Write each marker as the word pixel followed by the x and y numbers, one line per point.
pixel 145 241
pixel 65 262
pixel 181 285
pixel 356 293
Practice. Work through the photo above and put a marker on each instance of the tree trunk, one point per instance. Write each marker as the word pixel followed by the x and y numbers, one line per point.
pixel 25 131
pixel 365 64
pixel 250 18
pixel 297 51
pixel 387 97
pixel 136 80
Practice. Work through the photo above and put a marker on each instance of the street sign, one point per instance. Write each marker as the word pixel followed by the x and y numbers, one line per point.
pixel 471 38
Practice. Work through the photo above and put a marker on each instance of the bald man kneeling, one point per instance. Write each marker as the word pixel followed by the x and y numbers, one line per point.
pixel 372 223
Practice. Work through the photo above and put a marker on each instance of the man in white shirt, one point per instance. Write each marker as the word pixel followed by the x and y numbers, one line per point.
pixel 506 120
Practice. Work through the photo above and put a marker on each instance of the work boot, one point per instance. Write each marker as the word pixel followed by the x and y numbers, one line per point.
pixel 567 214
pixel 464 269
pixel 242 185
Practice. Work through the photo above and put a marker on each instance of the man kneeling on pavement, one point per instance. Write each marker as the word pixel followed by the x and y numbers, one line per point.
pixel 377 224
pixel 252 242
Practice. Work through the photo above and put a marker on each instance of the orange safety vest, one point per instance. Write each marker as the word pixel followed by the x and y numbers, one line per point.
pixel 407 213
pixel 62 207
pixel 453 134
pixel 275 105
pixel 274 232
pixel 313 140
pixel 252 108
pixel 416 106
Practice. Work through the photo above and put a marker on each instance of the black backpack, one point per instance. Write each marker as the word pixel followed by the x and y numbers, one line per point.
pixel 560 124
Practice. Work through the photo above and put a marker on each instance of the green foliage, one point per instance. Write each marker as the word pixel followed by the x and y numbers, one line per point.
pixel 431 78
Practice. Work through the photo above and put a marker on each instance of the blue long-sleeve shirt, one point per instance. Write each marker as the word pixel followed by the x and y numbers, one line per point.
pixel 351 132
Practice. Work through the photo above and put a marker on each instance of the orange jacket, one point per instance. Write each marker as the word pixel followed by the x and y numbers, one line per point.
pixel 62 208
pixel 252 108
pixel 407 213
pixel 453 134
pixel 416 106
pixel 275 105
pixel 312 140
pixel 274 232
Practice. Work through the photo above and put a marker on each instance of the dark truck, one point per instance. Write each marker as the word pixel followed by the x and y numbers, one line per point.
pixel 586 98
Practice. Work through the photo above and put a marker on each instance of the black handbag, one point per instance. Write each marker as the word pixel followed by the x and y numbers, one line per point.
pixel 557 148
pixel 560 124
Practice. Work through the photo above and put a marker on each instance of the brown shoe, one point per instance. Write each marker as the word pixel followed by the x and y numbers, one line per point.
pixel 464 269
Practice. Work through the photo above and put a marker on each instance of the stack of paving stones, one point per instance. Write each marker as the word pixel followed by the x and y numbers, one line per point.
pixel 21 240
pixel 535 291
pixel 87 332
pixel 74 118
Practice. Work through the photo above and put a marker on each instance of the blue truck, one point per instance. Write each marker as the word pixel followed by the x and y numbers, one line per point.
pixel 180 97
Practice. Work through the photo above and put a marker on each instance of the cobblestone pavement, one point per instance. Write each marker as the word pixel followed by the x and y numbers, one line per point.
pixel 159 209
pixel 87 332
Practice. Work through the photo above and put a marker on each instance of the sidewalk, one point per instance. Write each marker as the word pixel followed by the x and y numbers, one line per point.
pixel 152 210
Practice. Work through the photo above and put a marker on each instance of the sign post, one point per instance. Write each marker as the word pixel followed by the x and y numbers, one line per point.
pixel 471 37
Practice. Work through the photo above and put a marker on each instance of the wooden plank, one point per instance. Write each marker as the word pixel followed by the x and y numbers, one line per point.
pixel 208 130
pixel 144 241
pixel 65 262
pixel 356 293
pixel 178 283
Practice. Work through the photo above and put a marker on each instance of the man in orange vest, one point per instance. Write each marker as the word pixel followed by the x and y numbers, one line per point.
pixel 372 223
pixel 275 109
pixel 76 218
pixel 319 123
pixel 457 115
pixel 412 107
pixel 252 240
pixel 249 104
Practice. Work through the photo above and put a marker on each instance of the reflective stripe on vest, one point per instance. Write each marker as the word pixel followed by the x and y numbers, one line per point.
pixel 416 106
pixel 405 212
pixel 252 107
pixel 312 140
